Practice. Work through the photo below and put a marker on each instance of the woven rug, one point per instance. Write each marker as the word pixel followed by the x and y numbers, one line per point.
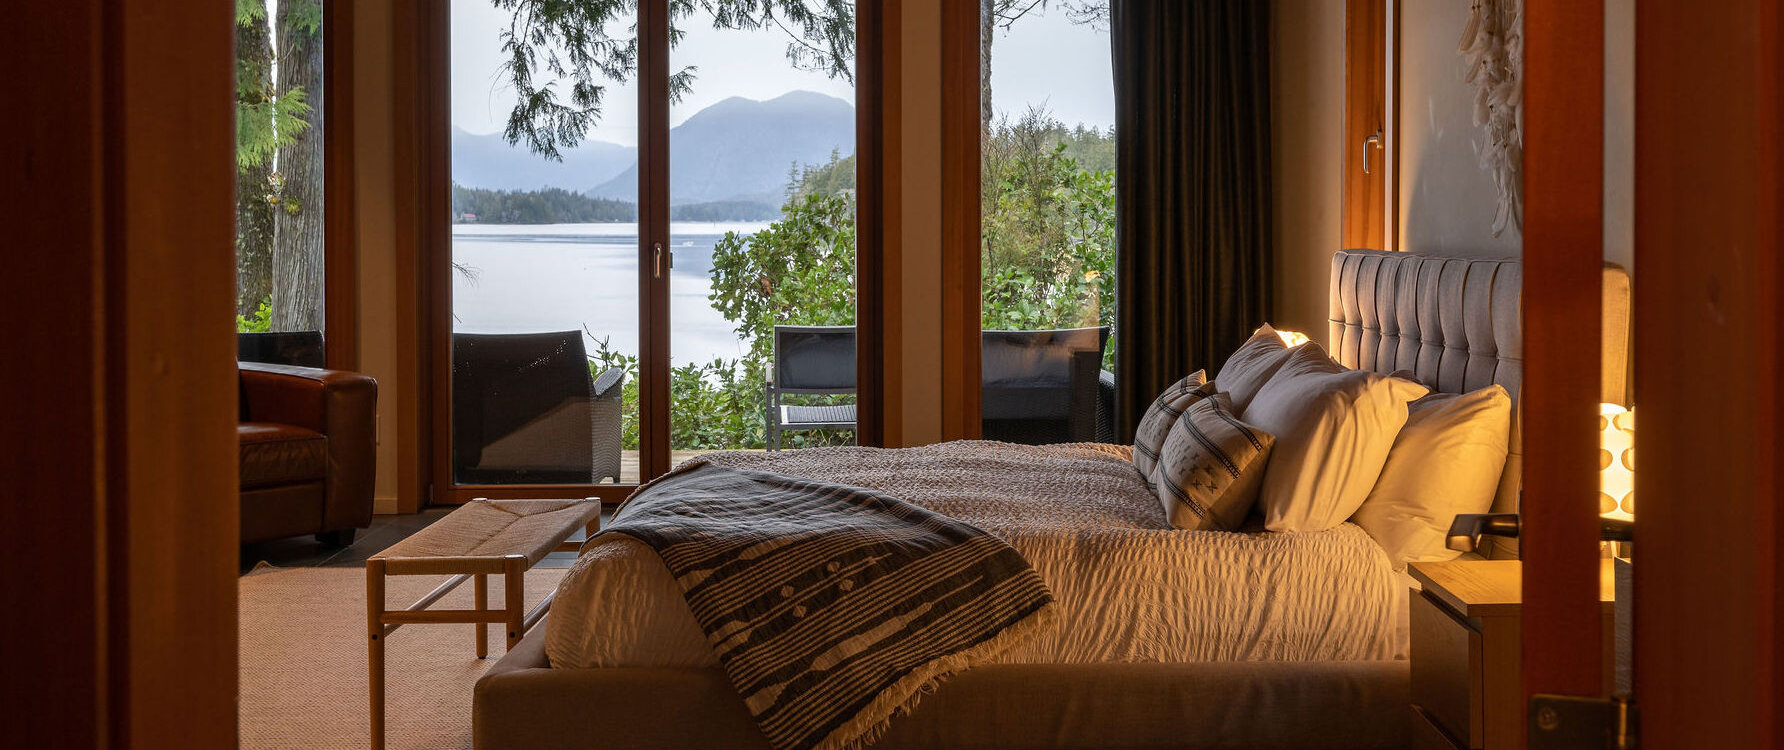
pixel 303 661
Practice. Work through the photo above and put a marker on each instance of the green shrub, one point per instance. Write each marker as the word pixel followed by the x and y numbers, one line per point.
pixel 260 322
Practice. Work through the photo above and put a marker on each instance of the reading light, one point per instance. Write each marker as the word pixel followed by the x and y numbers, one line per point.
pixel 1616 462
pixel 1293 339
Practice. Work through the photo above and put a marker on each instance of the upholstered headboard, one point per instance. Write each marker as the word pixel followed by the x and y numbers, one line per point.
pixel 1457 324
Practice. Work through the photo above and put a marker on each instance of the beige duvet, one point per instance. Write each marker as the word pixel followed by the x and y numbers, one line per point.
pixel 1131 588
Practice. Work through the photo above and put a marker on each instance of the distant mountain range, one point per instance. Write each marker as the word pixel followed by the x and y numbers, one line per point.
pixel 735 151
pixel 487 161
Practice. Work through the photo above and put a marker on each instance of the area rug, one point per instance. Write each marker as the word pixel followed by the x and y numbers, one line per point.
pixel 303 661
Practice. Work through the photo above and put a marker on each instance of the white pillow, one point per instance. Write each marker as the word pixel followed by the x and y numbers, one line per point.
pixel 1211 467
pixel 1155 425
pixel 1251 366
pixel 1446 461
pixel 1334 428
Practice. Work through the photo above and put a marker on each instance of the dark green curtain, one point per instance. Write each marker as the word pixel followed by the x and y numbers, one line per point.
pixel 1192 189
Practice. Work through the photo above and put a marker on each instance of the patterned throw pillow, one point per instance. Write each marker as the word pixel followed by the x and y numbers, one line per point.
pixel 1157 421
pixel 1212 467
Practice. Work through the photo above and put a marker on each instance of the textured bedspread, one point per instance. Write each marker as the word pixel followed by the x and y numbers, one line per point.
pixel 1128 587
pixel 831 607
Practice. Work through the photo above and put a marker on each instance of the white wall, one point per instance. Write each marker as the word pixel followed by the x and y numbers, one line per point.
pixel 1446 201
pixel 1619 132
pixel 1307 156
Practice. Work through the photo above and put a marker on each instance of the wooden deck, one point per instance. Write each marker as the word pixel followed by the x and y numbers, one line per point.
pixel 628 463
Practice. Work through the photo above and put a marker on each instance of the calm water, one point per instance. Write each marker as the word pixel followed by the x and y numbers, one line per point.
pixel 556 277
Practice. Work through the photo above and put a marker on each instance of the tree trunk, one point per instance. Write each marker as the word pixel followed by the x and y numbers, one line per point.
pixel 253 215
pixel 987 25
pixel 298 238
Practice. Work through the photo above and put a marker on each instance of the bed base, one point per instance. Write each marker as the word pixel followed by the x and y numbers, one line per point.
pixel 524 704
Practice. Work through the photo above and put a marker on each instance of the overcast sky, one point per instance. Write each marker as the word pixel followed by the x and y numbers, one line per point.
pixel 1044 59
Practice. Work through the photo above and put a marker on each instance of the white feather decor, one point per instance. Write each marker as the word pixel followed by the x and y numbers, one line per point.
pixel 1493 46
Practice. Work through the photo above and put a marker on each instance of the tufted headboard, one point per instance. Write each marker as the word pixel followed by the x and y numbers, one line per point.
pixel 1457 324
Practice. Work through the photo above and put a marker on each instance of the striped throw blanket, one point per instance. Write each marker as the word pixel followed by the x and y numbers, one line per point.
pixel 832 608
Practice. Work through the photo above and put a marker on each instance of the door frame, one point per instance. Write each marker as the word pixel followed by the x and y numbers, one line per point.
pixel 1562 305
pixel 1709 345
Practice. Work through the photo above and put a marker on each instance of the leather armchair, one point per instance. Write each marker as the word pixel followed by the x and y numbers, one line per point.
pixel 308 452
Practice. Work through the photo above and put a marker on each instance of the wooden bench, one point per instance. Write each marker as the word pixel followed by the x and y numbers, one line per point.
pixel 477 540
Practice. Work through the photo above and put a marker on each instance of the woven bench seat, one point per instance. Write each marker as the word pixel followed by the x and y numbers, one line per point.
pixel 475 541
pixel 494 529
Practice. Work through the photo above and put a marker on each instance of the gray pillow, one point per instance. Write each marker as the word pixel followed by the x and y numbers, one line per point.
pixel 1156 423
pixel 1211 467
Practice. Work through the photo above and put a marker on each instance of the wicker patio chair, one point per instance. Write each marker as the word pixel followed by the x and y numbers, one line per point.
pixel 810 361
pixel 1046 386
pixel 297 348
pixel 525 410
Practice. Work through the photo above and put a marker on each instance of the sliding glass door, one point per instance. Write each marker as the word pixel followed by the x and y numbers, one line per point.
pixel 1047 222
pixel 762 226
pixel 544 263
pixel 640 193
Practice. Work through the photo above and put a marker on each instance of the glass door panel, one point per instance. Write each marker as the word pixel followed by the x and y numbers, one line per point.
pixel 762 227
pixel 1047 224
pixel 545 269
pixel 279 181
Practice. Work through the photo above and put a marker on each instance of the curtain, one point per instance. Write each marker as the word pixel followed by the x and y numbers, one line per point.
pixel 1192 193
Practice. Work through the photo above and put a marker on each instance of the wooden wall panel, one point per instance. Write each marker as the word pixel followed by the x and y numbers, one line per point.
pixel 1709 331
pixel 51 416
pixel 120 455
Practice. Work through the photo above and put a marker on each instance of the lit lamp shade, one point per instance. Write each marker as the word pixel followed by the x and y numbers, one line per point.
pixel 1616 462
pixel 1292 339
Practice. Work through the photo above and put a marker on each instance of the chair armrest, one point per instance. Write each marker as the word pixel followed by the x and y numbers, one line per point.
pixel 341 405
pixel 1105 407
pixel 607 384
pixel 287 394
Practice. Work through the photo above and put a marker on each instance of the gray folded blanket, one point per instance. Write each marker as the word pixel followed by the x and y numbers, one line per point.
pixel 832 608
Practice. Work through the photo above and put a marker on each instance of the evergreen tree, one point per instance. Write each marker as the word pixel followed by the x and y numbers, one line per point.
pixel 299 224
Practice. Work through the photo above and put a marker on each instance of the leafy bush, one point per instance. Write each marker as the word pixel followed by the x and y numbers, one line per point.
pixel 259 322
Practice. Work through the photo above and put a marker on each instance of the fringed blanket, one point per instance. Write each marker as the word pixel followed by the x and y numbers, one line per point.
pixel 831 608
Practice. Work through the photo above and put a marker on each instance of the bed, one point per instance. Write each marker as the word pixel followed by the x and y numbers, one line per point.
pixel 1146 652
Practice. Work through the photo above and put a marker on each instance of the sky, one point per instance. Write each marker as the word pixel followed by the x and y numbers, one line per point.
pixel 1043 59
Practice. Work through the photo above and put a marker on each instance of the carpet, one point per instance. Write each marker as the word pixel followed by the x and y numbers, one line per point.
pixel 303 661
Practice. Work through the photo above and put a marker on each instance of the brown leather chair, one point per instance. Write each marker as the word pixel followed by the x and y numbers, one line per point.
pixel 308 451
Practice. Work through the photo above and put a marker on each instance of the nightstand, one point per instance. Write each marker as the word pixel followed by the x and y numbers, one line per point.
pixel 1466 656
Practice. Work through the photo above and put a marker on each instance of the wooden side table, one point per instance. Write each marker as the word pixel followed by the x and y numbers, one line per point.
pixel 477 540
pixel 1467 660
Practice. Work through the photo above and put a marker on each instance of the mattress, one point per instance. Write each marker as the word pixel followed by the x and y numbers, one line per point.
pixel 1130 588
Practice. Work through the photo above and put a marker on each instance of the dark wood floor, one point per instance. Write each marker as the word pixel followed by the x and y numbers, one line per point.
pixel 306 552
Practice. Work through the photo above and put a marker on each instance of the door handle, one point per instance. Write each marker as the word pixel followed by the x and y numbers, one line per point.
pixel 656 260
pixel 1369 144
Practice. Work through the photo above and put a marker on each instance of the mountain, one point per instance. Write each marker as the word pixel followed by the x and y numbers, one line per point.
pixel 487 161
pixel 741 149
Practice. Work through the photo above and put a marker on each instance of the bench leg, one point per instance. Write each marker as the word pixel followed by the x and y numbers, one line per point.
pixel 480 598
pixel 514 586
pixel 374 605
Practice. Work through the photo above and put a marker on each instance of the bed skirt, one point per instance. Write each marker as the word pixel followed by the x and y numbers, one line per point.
pixel 524 704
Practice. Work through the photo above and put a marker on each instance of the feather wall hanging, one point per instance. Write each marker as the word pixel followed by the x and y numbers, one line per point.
pixel 1493 46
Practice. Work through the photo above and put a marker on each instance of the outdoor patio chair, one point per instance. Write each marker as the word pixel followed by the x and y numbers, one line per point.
pixel 1046 386
pixel 297 348
pixel 810 361
pixel 525 410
